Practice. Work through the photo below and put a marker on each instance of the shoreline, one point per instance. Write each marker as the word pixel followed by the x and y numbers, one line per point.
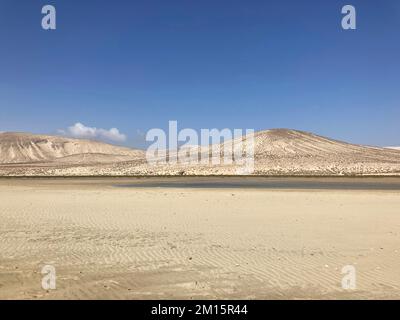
pixel 241 183
pixel 382 176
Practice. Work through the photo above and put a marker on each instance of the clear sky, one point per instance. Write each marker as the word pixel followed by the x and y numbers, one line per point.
pixel 136 64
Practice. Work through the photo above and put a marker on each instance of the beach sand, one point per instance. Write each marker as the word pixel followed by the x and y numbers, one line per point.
pixel 129 243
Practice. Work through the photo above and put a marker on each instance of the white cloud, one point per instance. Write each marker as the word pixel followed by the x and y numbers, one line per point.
pixel 79 130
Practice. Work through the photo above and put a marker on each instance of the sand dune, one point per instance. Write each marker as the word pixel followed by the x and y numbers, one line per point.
pixel 277 152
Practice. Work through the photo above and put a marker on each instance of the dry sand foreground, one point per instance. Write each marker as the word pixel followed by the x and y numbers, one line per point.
pixel 115 243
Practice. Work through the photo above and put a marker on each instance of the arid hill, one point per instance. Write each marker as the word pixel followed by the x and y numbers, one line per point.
pixel 17 148
pixel 277 152
pixel 283 151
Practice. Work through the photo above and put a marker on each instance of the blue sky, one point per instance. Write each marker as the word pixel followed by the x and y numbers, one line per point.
pixel 135 65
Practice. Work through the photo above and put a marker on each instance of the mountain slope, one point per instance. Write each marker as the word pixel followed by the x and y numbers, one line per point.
pixel 287 143
pixel 284 151
pixel 294 152
pixel 18 147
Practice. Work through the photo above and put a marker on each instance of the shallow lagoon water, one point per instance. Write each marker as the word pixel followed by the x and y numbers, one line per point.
pixel 267 183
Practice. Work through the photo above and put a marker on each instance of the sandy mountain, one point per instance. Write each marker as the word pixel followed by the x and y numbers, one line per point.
pixel 18 147
pixel 294 152
pixel 295 143
pixel 284 151
pixel 277 152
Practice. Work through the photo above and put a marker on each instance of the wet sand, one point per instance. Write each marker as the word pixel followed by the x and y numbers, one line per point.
pixel 110 242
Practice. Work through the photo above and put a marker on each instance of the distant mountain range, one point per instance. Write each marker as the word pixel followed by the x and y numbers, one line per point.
pixel 277 152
